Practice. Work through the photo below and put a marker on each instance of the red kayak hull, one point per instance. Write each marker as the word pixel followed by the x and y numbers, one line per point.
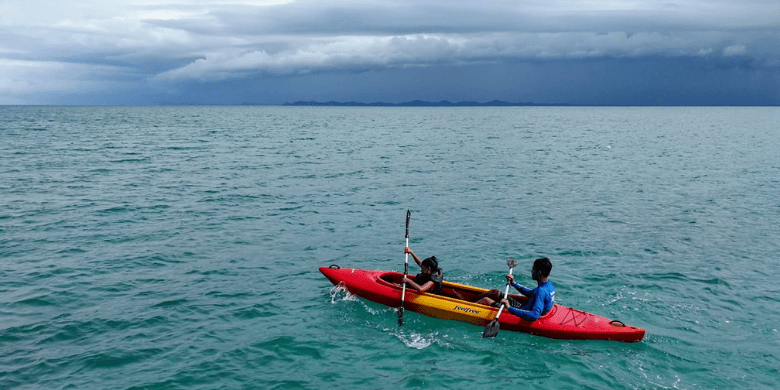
pixel 456 303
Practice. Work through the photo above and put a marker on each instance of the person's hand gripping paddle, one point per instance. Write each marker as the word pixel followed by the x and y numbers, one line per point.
pixel 491 330
pixel 406 272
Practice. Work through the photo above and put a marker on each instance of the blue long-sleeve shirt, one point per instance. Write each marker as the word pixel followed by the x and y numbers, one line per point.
pixel 541 300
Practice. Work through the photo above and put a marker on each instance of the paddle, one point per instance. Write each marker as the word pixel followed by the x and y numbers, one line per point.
pixel 406 272
pixel 491 330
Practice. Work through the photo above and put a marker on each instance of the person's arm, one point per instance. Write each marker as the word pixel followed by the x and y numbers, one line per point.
pixel 529 315
pixel 416 259
pixel 425 287
pixel 522 289
pixel 525 291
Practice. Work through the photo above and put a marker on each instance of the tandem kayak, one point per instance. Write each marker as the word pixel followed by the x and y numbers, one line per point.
pixel 456 303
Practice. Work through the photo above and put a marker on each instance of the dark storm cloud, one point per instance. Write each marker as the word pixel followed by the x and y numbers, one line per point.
pixel 55 48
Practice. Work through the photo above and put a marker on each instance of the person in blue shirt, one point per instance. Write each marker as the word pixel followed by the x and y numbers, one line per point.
pixel 540 299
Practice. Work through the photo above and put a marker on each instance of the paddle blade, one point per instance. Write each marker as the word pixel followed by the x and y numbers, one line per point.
pixel 491 330
pixel 401 316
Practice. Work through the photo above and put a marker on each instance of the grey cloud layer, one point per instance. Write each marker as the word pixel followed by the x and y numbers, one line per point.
pixel 360 53
pixel 232 39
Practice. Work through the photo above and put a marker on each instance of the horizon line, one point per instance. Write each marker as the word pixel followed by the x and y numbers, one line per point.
pixel 413 103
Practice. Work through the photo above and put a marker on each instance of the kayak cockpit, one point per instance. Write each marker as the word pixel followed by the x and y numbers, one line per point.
pixel 390 278
pixel 449 289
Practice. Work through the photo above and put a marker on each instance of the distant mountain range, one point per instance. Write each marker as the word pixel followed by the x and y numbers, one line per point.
pixel 420 103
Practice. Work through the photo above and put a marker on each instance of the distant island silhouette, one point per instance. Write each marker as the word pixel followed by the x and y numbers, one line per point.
pixel 421 103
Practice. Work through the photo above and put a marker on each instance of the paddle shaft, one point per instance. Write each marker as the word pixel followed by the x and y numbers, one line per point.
pixel 506 293
pixel 406 259
pixel 406 272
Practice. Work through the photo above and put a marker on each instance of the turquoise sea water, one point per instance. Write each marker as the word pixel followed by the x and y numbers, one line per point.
pixel 178 247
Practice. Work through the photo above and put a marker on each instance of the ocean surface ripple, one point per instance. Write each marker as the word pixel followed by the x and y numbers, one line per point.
pixel 178 247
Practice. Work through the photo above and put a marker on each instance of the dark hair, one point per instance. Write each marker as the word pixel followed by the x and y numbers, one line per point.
pixel 543 266
pixel 431 263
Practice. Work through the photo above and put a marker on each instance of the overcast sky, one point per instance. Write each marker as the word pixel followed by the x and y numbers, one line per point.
pixel 641 52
